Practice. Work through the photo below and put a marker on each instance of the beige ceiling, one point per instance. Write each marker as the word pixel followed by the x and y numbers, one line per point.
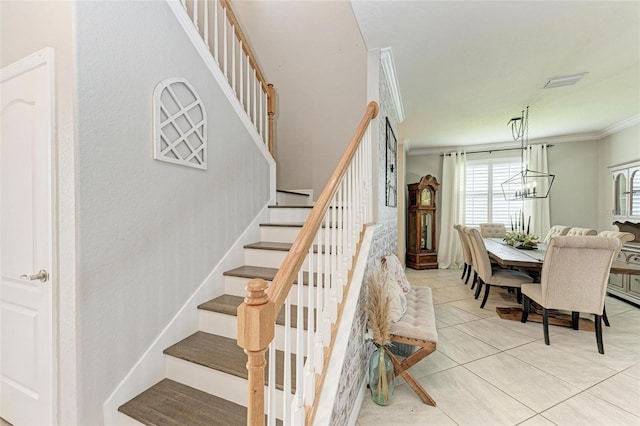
pixel 466 67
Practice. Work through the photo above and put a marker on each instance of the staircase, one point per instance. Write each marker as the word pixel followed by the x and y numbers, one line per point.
pixel 205 373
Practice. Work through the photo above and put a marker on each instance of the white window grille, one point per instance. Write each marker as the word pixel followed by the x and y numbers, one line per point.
pixel 180 124
pixel 485 200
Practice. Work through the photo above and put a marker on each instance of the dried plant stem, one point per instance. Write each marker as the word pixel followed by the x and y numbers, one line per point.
pixel 383 385
pixel 379 321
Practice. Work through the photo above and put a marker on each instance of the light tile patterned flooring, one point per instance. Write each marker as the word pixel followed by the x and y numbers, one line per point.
pixel 490 371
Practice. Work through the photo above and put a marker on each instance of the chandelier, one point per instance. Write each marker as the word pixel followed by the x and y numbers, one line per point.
pixel 527 184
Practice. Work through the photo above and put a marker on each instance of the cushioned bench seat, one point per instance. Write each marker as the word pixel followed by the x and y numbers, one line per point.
pixel 417 327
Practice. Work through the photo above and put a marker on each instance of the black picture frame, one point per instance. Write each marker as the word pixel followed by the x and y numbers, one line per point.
pixel 391 174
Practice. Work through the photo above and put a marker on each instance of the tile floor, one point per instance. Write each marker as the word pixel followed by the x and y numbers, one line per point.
pixel 490 371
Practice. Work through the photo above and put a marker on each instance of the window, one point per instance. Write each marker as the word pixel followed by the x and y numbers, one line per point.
pixel 485 200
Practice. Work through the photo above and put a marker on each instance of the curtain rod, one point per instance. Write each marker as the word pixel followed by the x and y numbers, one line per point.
pixel 490 151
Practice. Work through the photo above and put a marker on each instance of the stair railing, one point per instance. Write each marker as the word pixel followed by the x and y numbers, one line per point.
pixel 218 28
pixel 324 251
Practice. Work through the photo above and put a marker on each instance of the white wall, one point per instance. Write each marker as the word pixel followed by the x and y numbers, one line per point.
pixel 573 199
pixel 149 231
pixel 313 53
pixel 619 148
pixel 27 27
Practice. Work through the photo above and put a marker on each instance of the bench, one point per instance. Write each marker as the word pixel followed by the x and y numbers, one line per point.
pixel 417 327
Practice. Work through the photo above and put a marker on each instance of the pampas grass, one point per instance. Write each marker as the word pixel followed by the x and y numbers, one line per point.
pixel 379 321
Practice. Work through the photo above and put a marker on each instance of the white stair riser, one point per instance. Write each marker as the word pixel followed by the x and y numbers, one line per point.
pixel 293 199
pixel 214 382
pixel 288 215
pixel 124 420
pixel 235 286
pixel 279 234
pixel 227 326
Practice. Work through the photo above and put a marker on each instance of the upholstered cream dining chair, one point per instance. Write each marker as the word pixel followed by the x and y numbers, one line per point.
pixel 486 275
pixel 466 253
pixel 574 278
pixel 556 231
pixel 492 230
pixel 625 237
pixel 582 231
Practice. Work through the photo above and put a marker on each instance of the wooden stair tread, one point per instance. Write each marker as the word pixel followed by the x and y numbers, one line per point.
pixel 228 304
pixel 269 245
pixel 174 404
pixel 267 274
pixel 291 206
pixel 222 354
pixel 284 224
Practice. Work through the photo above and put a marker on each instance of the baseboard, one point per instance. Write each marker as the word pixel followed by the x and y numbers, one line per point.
pixel 357 405
pixel 150 368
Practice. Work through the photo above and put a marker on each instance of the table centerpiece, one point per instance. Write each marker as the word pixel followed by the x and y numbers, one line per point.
pixel 521 240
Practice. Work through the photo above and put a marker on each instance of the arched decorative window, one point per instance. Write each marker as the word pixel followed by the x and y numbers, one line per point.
pixel 180 124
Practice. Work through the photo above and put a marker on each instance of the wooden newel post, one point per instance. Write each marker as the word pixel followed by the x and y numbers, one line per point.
pixel 271 111
pixel 256 328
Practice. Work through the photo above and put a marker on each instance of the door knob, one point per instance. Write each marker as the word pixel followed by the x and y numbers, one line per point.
pixel 42 276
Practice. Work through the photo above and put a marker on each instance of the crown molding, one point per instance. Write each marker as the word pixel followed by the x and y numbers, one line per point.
pixel 389 70
pixel 615 128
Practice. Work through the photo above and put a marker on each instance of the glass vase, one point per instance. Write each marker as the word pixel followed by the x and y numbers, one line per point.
pixel 380 376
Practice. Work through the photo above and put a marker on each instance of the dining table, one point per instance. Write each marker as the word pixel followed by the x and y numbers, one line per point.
pixel 531 260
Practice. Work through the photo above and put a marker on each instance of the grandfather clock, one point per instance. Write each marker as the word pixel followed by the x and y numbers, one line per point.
pixel 421 225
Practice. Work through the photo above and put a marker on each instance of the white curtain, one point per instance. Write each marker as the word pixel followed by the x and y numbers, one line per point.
pixel 452 210
pixel 538 208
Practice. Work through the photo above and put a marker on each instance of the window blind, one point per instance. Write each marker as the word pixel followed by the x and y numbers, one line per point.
pixel 484 198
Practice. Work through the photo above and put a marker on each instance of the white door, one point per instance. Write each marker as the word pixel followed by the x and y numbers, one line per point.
pixel 26 311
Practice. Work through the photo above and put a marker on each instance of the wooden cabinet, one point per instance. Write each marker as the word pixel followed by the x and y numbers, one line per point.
pixel 421 224
pixel 626 286
pixel 626 192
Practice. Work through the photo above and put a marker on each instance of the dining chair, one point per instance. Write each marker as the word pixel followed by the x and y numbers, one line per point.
pixel 624 237
pixel 556 231
pixel 493 230
pixel 582 231
pixel 466 253
pixel 472 253
pixel 489 276
pixel 574 277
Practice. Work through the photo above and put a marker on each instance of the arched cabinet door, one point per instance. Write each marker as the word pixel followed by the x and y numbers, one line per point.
pixel 626 192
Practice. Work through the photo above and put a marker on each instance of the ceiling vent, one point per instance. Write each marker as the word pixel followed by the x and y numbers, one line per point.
pixel 566 80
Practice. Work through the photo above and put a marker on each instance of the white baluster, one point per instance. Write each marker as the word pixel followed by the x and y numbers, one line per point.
pixel 216 29
pixel 195 15
pixel 297 410
pixel 309 373
pixel 326 317
pixel 241 71
pixel 319 339
pixel 338 245
pixel 225 47
pixel 184 3
pixel 233 59
pixel 255 98
pixel 286 393
pixel 271 388
pixel 205 12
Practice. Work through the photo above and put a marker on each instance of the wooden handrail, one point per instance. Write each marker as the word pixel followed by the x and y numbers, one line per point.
pixel 291 264
pixel 256 316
